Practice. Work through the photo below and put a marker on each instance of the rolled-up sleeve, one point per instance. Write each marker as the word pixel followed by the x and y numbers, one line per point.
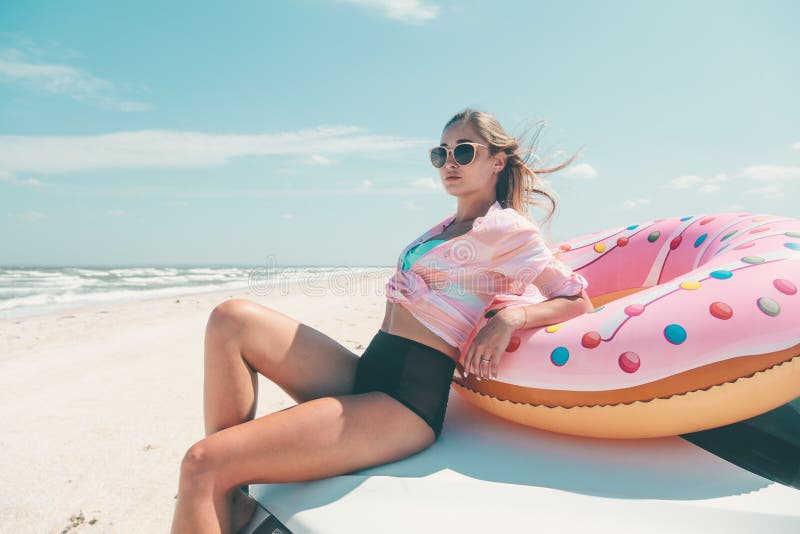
pixel 521 255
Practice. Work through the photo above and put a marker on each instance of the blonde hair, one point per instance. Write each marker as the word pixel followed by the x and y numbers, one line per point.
pixel 517 182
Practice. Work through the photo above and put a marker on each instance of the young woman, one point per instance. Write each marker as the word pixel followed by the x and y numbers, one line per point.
pixel 356 412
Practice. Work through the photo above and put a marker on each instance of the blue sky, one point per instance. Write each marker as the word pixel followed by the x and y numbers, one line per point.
pixel 158 133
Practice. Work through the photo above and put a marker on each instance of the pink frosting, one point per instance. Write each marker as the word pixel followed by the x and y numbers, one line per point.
pixel 711 288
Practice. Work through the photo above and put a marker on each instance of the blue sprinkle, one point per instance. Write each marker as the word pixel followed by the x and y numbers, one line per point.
pixel 675 334
pixel 699 240
pixel 559 356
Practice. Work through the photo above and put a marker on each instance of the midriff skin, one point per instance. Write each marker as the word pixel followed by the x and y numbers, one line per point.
pixel 399 321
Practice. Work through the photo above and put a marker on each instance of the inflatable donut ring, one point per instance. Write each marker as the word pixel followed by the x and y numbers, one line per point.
pixel 696 325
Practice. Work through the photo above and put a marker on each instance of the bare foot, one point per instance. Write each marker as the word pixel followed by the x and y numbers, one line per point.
pixel 242 509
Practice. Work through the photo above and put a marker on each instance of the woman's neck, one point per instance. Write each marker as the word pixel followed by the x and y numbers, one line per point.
pixel 470 209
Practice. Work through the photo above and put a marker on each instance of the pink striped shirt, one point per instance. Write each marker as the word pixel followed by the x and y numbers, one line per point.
pixel 502 260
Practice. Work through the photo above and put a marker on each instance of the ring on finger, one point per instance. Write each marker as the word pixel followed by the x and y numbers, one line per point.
pixel 487 361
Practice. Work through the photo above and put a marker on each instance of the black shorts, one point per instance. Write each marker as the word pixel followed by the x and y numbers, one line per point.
pixel 413 373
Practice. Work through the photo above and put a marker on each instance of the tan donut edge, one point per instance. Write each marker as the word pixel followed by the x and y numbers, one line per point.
pixel 682 413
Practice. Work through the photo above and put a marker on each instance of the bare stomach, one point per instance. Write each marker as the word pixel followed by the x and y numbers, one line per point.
pixel 399 321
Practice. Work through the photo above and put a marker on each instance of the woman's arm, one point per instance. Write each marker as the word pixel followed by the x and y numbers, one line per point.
pixel 553 311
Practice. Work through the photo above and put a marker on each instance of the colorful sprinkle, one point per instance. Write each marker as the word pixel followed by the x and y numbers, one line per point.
pixel 784 286
pixel 597 309
pixel 629 362
pixel 743 245
pixel 675 334
pixel 491 313
pixel 559 356
pixel 565 247
pixel 753 259
pixel 554 327
pixel 686 218
pixel 699 240
pixel 622 241
pixel 634 309
pixel 591 339
pixel 513 344
pixel 707 220
pixel 653 236
pixel 720 310
pixel 690 284
pixel 675 243
pixel 721 274
pixel 728 235
pixel 600 247
pixel 793 234
pixel 632 227
pixel 759 230
pixel 769 306
pixel 793 246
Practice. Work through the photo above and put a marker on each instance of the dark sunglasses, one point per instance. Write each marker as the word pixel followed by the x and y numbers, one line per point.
pixel 463 154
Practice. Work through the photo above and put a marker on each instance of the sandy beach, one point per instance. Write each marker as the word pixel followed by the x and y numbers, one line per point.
pixel 99 404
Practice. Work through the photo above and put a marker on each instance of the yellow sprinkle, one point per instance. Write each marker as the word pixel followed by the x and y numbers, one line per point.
pixel 690 284
pixel 554 327
pixel 600 247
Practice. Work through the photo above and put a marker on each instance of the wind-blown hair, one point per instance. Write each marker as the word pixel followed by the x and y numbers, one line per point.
pixel 517 184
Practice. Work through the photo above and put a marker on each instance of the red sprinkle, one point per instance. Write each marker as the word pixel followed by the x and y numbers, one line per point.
pixel 590 339
pixel 629 362
pixel 720 310
pixel 513 344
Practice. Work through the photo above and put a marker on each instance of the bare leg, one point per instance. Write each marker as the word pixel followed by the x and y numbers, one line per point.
pixel 242 338
pixel 317 439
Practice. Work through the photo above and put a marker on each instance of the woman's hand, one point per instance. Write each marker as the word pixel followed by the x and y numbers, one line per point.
pixel 483 355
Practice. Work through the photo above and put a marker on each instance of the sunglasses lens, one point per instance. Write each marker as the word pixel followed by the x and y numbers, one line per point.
pixel 464 154
pixel 438 157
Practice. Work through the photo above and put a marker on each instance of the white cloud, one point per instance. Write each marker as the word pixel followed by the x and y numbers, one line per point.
pixel 62 79
pixel 427 183
pixel 796 146
pixel 8 177
pixel 582 170
pixel 697 183
pixel 179 149
pixel 770 173
pixel 768 192
pixel 708 188
pixel 635 202
pixel 316 159
pixel 413 11
pixel 287 216
pixel 32 216
pixel 116 213
pixel 362 189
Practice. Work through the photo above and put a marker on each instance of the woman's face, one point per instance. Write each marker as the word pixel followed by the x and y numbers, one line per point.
pixel 479 175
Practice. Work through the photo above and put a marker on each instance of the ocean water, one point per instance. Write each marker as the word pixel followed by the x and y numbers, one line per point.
pixel 26 291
